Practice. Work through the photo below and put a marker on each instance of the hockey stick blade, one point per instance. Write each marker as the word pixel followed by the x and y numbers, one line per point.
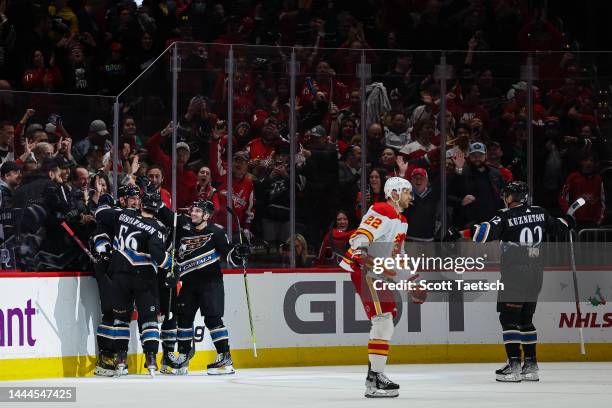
pixel 575 206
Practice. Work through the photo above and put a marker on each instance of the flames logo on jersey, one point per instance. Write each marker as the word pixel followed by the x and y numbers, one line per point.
pixel 191 244
pixel 397 244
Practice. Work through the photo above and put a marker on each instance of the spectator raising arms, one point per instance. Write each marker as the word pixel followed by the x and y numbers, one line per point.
pixel 186 179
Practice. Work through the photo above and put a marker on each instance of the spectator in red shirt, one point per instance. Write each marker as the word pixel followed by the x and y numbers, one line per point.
pixel 41 76
pixel 325 83
pixel 494 157
pixel 243 200
pixel 335 241
pixel 588 184
pixel 516 110
pixel 471 108
pixel 423 134
pixel 204 188
pixel 155 174
pixel 186 179
pixel 260 150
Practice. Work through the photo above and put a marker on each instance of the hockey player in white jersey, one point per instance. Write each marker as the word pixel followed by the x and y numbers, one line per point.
pixel 381 233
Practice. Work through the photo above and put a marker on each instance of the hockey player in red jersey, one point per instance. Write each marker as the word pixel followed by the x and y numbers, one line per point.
pixel 385 225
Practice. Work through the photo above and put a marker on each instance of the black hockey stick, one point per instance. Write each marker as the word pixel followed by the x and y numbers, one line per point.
pixel 246 284
pixel 79 242
pixel 575 206
pixel 172 266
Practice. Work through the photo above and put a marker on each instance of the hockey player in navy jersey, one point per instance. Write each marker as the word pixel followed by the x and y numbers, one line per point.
pixel 138 254
pixel 520 228
pixel 200 248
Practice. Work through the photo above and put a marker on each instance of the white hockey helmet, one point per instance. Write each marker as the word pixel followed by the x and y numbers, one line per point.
pixel 396 184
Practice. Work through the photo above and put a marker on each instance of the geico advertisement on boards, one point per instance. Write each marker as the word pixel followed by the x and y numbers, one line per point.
pixel 45 317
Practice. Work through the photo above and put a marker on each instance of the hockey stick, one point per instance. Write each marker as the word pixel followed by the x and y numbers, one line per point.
pixel 78 241
pixel 172 266
pixel 246 285
pixel 575 206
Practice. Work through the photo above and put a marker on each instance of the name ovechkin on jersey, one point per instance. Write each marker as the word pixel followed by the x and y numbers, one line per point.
pixel 525 219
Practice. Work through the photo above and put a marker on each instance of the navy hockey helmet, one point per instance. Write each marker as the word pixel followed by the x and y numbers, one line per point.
pixel 128 191
pixel 519 190
pixel 106 199
pixel 151 202
pixel 205 205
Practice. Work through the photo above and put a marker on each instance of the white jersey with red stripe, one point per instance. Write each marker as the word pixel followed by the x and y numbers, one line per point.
pixel 382 226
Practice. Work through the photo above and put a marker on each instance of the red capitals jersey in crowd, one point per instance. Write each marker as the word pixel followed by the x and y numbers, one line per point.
pixel 208 193
pixel 415 149
pixel 588 186
pixel 258 150
pixel 243 202
pixel 338 92
pixel 218 156
pixel 335 242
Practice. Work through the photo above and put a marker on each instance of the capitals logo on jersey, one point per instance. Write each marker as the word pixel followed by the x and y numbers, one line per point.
pixel 191 244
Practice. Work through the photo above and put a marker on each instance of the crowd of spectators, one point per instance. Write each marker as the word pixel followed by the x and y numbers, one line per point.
pixel 57 151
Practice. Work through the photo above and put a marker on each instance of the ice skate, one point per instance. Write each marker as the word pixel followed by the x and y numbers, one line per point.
pixel 122 367
pixel 151 363
pixel 180 364
pixel 105 365
pixel 222 365
pixel 530 370
pixel 511 372
pixel 168 359
pixel 378 385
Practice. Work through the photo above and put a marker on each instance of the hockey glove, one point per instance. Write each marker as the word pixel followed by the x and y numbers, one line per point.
pixel 452 234
pixel 171 279
pixel 570 220
pixel 102 254
pixel 417 295
pixel 242 251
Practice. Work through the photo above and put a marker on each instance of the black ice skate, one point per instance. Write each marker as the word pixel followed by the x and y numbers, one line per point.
pixel 379 386
pixel 168 359
pixel 222 365
pixel 511 372
pixel 151 363
pixel 105 365
pixel 530 370
pixel 180 365
pixel 121 368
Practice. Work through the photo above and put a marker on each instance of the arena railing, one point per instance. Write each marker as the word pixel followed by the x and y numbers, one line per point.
pixel 190 85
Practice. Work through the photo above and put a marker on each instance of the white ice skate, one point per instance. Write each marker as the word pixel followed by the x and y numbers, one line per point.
pixel 530 370
pixel 511 372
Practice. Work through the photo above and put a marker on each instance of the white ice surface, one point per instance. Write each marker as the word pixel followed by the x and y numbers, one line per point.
pixel 575 385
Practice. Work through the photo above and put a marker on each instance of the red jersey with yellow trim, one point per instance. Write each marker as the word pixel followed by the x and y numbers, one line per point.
pixel 381 225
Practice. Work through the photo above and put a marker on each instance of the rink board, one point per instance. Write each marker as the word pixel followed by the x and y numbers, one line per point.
pixel 48 322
